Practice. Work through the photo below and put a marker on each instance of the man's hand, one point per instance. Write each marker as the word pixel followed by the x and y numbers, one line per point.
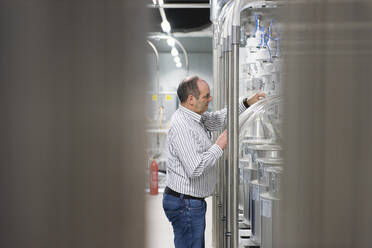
pixel 255 98
pixel 222 140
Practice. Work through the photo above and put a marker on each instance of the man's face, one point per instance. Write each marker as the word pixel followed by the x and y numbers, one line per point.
pixel 201 104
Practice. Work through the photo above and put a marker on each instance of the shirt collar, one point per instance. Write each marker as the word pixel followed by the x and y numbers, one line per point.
pixel 191 114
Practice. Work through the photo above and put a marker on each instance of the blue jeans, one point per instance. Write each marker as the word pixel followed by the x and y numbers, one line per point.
pixel 188 220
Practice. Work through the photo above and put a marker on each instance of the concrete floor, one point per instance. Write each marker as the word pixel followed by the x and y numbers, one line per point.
pixel 159 233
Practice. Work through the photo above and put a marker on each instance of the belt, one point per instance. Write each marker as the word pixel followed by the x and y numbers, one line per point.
pixel 169 191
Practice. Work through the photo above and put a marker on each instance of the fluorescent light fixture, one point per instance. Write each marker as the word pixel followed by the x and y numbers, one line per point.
pixel 177 59
pixel 171 42
pixel 179 65
pixel 174 52
pixel 165 26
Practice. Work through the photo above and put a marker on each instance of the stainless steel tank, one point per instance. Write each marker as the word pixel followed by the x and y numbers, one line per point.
pixel 269 203
pixel 256 130
pixel 268 151
pixel 256 190
pixel 274 180
pixel 252 151
pixel 248 171
pixel 269 219
pixel 249 174
pixel 263 165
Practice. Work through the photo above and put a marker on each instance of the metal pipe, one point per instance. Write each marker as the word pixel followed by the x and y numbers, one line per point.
pixel 213 13
pixel 216 8
pixel 216 99
pixel 230 179
pixel 228 77
pixel 234 156
pixel 231 99
pixel 221 161
pixel 157 65
pixel 156 53
pixel 162 14
pixel 225 157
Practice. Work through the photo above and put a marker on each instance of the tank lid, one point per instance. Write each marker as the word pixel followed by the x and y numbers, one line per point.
pixel 266 147
pixel 270 161
pixel 275 170
pixel 267 196
pixel 257 141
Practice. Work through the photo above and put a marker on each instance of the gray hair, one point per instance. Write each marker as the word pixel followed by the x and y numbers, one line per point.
pixel 187 87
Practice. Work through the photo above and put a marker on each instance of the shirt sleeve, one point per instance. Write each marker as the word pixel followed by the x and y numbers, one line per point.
pixel 216 120
pixel 242 107
pixel 189 150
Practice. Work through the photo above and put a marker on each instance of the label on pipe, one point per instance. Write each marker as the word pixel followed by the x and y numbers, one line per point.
pixel 266 208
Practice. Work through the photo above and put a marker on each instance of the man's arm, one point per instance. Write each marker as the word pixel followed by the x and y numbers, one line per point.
pixel 189 151
pixel 216 120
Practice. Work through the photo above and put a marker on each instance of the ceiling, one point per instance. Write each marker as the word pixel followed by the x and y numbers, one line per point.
pixel 190 26
pixel 181 19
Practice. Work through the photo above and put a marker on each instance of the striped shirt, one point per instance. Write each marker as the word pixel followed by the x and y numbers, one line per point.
pixel 191 154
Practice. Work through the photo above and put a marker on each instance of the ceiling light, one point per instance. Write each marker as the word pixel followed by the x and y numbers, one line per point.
pixel 177 59
pixel 161 2
pixel 174 51
pixel 165 26
pixel 171 42
pixel 179 65
pixel 154 1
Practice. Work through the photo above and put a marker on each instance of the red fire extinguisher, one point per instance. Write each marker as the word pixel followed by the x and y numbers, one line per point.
pixel 154 178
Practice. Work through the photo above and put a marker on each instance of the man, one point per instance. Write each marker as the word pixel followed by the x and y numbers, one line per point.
pixel 191 172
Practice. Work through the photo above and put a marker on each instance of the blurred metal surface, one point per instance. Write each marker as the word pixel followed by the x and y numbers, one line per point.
pixel 72 123
pixel 328 118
